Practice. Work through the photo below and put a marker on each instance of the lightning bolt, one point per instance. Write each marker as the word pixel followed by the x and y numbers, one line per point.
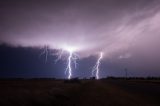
pixel 69 66
pixel 45 52
pixel 96 68
pixel 72 58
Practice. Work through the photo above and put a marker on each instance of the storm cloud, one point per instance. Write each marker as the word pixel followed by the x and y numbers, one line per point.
pixel 127 31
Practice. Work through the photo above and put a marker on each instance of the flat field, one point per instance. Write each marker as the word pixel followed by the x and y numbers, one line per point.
pixel 79 93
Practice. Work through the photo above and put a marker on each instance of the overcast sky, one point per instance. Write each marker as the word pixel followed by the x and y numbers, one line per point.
pixel 127 31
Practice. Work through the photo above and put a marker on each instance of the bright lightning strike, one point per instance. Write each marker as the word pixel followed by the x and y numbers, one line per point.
pixel 96 67
pixel 71 59
pixel 69 67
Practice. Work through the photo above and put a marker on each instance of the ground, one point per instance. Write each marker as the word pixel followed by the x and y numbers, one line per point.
pixel 79 92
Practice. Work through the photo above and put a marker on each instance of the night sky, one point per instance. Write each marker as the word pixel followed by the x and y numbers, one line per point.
pixel 126 31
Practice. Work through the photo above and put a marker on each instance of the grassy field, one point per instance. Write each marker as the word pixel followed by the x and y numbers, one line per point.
pixel 79 93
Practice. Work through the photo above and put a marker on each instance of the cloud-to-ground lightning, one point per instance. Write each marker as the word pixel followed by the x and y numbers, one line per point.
pixel 71 59
pixel 69 67
pixel 96 68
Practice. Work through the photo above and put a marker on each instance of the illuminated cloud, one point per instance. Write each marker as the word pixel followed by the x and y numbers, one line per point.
pixel 109 26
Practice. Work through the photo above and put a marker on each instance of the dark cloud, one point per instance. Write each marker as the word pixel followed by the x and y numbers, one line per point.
pixel 26 62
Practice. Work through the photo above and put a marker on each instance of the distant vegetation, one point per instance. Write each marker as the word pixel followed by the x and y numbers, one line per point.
pixel 134 78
